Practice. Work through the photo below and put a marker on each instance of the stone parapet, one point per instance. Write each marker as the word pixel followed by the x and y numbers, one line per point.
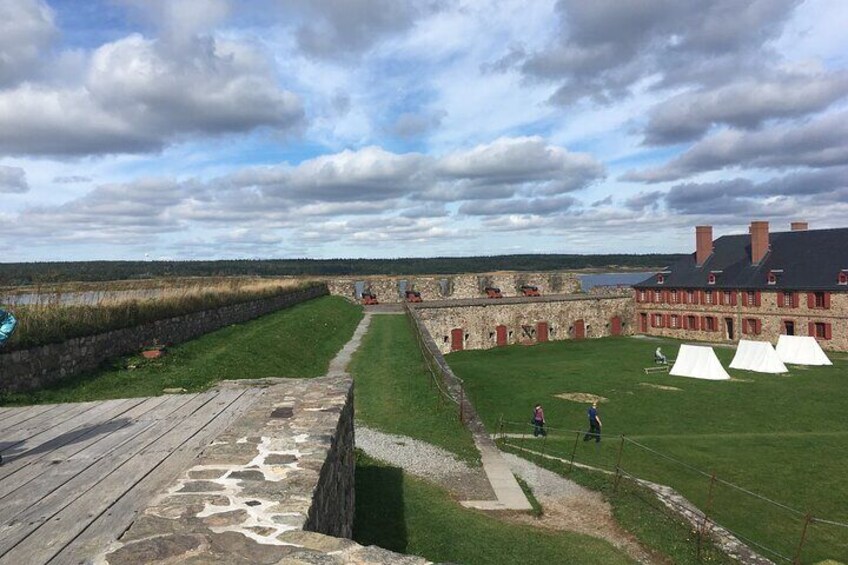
pixel 273 488
pixel 390 289
pixel 38 367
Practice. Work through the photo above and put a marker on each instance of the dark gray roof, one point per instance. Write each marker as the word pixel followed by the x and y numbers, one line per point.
pixel 810 260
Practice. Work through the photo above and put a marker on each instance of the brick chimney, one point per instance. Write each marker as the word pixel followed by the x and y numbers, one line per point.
pixel 759 241
pixel 799 226
pixel 704 244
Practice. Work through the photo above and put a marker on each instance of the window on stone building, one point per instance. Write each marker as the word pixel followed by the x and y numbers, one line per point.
pixel 674 321
pixel 752 297
pixel 690 296
pixel 711 279
pixel 708 297
pixel 820 300
pixel 642 296
pixel 788 300
pixel 709 324
pixel 789 327
pixel 691 322
pixel 821 330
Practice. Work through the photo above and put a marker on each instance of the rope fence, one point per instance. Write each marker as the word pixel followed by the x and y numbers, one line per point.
pixel 438 376
pixel 720 498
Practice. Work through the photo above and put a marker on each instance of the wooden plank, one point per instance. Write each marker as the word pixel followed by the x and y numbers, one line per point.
pixel 109 526
pixel 17 443
pixel 46 482
pixel 78 430
pixel 46 420
pixel 26 413
pixel 38 533
pixel 109 435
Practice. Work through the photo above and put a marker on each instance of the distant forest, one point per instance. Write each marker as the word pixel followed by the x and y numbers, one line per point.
pixel 15 274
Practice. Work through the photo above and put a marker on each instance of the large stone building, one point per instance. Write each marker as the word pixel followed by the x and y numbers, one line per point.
pixel 754 286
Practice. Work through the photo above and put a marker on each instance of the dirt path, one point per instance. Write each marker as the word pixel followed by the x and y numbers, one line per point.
pixel 570 507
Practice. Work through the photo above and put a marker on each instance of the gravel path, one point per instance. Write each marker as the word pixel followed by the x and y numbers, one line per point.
pixel 571 507
pixel 425 461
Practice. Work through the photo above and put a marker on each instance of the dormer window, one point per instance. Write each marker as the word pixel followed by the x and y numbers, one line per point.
pixel 711 278
pixel 843 277
pixel 773 274
pixel 660 278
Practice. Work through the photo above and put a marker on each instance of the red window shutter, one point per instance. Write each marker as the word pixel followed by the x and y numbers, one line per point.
pixel 827 300
pixel 696 323
pixel 702 298
pixel 665 297
pixel 720 297
pixel 653 320
pixel 811 300
pixel 744 298
pixel 637 297
pixel 827 331
pixel 758 327
pixel 667 320
pixel 733 298
pixel 780 301
pixel 811 329
pixel 758 298
pixel 796 302
pixel 704 323
pixel 684 322
pixel 745 326
pixel 715 324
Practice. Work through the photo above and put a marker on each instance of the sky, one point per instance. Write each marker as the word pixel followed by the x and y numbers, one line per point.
pixel 219 129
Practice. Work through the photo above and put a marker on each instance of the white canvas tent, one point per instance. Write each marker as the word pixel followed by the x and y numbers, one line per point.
pixel 801 350
pixel 757 356
pixel 699 362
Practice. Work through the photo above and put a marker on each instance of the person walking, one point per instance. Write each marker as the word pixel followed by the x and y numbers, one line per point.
pixel 539 421
pixel 594 424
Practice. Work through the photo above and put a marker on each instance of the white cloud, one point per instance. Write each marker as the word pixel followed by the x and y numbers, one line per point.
pixel 27 28
pixel 13 179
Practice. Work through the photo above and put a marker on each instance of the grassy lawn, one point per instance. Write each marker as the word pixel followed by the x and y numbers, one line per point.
pixel 296 342
pixel 404 514
pixel 785 437
pixel 394 391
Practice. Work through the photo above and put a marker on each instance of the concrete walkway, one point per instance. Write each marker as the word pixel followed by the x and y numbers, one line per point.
pixel 509 493
pixel 338 366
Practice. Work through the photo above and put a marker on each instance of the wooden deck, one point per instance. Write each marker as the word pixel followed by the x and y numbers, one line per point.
pixel 75 475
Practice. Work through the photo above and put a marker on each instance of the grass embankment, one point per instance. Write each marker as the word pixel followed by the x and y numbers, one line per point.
pixel 784 437
pixel 395 393
pixel 408 515
pixel 52 320
pixel 297 342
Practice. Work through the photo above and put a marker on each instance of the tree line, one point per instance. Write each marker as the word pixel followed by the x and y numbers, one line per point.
pixel 22 274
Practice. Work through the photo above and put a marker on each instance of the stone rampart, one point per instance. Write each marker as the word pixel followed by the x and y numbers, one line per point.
pixel 391 289
pixel 525 321
pixel 38 367
pixel 273 488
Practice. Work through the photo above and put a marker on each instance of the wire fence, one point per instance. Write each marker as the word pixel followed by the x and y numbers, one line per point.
pixel 714 505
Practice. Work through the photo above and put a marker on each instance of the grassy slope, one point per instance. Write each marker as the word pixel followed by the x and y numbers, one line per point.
pixel 394 391
pixel 295 342
pixel 402 513
pixel 785 437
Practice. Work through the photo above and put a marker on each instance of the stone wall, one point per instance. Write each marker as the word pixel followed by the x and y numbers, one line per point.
pixel 273 488
pixel 389 289
pixel 38 367
pixel 770 315
pixel 479 321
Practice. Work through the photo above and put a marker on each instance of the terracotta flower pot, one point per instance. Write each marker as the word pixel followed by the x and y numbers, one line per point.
pixel 152 353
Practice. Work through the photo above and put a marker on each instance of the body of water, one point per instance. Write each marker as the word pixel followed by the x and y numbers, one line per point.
pixel 612 279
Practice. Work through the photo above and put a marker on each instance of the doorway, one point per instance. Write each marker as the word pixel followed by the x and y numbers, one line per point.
pixel 457 339
pixel 788 327
pixel 643 323
pixel 728 328
pixel 579 329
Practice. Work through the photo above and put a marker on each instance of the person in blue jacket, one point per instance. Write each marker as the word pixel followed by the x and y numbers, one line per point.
pixel 7 326
pixel 594 424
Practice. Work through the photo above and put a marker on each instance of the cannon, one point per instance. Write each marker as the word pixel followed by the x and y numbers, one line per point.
pixel 413 296
pixel 369 298
pixel 493 292
pixel 530 290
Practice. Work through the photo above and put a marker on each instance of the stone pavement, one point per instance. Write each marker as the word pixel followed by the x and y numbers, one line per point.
pixel 273 488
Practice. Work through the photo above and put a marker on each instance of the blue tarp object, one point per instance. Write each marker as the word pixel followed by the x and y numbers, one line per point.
pixel 7 326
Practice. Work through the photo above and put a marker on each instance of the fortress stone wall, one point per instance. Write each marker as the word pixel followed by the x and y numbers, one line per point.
pixel 520 320
pixel 38 367
pixel 391 289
